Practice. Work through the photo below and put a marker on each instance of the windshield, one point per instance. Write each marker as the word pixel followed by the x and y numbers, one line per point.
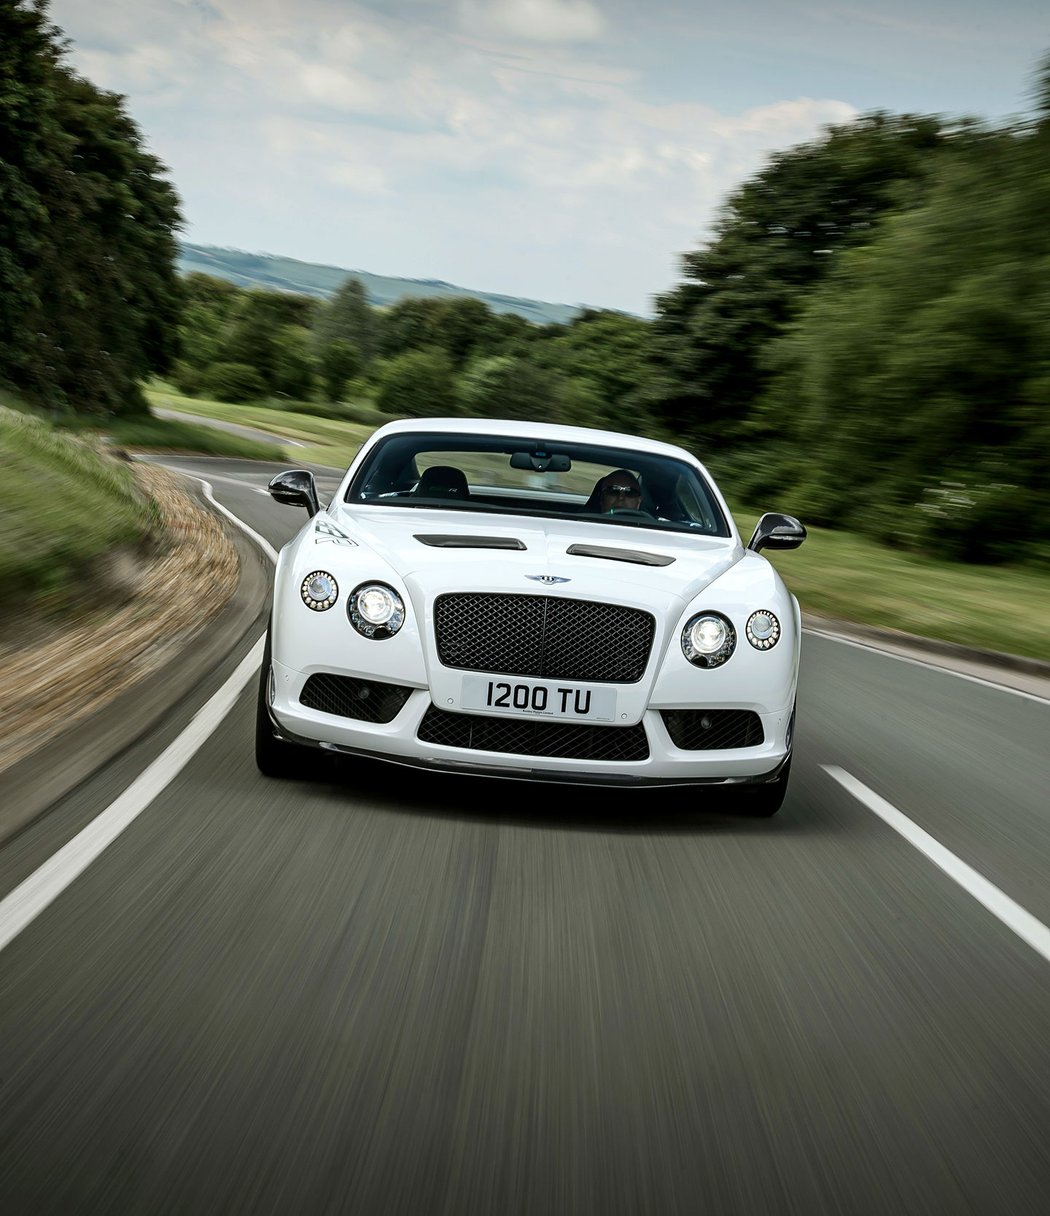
pixel 502 475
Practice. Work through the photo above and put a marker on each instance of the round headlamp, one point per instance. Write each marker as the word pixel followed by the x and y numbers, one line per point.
pixel 763 629
pixel 708 639
pixel 319 591
pixel 376 611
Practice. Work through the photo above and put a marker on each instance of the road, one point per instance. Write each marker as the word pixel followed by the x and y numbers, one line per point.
pixel 232 428
pixel 376 992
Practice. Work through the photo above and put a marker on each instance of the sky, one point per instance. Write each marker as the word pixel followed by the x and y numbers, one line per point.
pixel 562 150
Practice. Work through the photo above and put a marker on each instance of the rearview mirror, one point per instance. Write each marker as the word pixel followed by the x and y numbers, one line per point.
pixel 540 462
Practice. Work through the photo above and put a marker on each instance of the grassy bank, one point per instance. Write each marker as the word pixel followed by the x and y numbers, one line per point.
pixel 310 438
pixel 175 435
pixel 63 506
pixel 838 574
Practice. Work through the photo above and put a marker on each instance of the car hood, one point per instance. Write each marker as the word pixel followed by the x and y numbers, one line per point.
pixel 453 550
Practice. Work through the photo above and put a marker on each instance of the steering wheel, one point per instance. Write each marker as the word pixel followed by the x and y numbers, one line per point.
pixel 630 513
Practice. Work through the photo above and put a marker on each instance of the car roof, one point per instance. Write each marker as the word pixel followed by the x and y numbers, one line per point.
pixel 551 432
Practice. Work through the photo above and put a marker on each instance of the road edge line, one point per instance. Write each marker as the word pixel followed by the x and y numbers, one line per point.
pixel 1008 911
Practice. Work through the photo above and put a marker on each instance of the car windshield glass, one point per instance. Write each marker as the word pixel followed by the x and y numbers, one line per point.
pixel 504 475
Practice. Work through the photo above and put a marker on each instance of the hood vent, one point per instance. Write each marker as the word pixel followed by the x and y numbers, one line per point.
pixel 621 555
pixel 458 541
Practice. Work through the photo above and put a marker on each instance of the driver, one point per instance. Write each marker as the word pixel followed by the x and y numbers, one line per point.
pixel 619 490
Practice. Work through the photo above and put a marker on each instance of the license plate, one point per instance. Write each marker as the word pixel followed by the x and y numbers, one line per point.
pixel 539 699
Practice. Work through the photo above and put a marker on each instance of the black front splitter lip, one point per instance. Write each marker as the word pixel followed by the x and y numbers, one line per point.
pixel 477 768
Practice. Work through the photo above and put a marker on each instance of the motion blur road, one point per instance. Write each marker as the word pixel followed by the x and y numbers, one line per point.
pixel 378 992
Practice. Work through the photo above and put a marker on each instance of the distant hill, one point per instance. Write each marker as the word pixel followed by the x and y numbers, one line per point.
pixel 312 279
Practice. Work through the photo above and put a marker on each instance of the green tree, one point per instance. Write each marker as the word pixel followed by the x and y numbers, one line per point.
pixel 340 362
pixel 207 306
pixel 460 327
pixel 294 372
pixel 607 352
pixel 94 297
pixel 915 387
pixel 416 384
pixel 235 382
pixel 347 318
pixel 775 240
pixel 404 326
pixel 502 386
pixel 29 134
pixel 255 334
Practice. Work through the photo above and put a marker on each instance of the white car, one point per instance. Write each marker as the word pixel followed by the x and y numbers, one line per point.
pixel 529 601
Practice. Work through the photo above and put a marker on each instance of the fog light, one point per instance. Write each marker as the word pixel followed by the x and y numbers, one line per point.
pixel 319 591
pixel 763 630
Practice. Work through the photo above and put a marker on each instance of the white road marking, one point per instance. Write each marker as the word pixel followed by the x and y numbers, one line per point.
pixel 261 541
pixel 903 658
pixel 31 897
pixel 1023 923
pixel 230 481
pixel 25 903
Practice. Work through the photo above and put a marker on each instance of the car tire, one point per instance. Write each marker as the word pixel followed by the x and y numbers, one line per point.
pixel 762 801
pixel 273 757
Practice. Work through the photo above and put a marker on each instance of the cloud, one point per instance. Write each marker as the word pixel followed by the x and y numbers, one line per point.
pixel 533 20
pixel 513 157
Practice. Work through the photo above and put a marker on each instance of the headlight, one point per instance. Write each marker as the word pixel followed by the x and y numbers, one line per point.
pixel 376 611
pixel 319 591
pixel 763 629
pixel 708 639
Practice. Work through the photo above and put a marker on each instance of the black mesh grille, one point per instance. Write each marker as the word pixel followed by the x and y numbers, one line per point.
pixel 543 636
pixel 366 700
pixel 704 730
pixel 527 737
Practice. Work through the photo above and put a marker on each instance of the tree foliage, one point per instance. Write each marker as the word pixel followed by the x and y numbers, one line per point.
pixel 602 355
pixel 417 384
pixel 775 239
pixel 347 318
pixel 87 272
pixel 505 386
pixel 914 390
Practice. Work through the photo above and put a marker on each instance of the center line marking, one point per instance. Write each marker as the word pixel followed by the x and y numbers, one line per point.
pixel 1023 923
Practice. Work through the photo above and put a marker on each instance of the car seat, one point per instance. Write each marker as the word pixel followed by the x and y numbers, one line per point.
pixel 443 481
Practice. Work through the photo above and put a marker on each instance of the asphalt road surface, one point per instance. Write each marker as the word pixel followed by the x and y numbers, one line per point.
pixel 378 992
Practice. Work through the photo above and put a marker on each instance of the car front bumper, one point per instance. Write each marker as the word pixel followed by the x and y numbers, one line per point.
pixel 398 741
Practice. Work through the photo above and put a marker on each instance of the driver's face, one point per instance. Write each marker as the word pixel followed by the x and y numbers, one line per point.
pixel 620 495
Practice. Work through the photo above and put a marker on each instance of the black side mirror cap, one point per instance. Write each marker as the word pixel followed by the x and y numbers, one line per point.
pixel 295 488
pixel 776 531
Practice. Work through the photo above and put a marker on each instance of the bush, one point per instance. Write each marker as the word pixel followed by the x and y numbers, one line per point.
pixel 235 382
pixel 188 379
pixel 505 387
pixel 417 384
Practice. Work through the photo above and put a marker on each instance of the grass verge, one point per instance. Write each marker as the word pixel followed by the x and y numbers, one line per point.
pixel 63 506
pixel 318 440
pixel 176 435
pixel 842 575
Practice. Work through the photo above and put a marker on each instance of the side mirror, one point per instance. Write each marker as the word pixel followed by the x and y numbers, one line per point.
pixel 295 488
pixel 776 531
